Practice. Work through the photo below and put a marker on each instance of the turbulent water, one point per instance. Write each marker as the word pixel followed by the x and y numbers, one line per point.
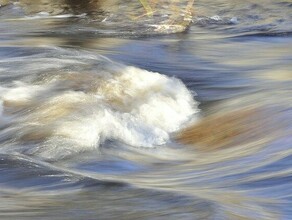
pixel 112 110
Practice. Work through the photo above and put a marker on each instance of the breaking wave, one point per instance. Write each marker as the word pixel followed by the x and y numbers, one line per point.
pixel 69 105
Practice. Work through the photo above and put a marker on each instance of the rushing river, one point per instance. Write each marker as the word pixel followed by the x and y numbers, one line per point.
pixel 109 110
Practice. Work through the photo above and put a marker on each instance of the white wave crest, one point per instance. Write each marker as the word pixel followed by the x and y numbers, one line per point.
pixel 72 111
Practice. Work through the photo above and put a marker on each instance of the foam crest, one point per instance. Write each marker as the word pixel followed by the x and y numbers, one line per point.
pixel 64 112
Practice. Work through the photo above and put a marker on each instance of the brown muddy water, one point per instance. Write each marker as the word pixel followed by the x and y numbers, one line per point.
pixel 112 110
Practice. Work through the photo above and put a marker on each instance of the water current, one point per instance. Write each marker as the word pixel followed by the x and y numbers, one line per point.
pixel 172 110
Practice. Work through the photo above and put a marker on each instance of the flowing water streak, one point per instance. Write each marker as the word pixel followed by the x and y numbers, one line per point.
pixel 58 105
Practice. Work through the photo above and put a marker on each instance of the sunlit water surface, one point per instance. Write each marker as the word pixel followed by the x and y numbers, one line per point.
pixel 96 109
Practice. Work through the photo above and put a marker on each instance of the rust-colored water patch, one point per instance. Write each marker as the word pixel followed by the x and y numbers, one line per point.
pixel 223 130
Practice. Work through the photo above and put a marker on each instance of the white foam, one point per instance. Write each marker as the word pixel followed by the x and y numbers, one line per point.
pixel 216 18
pixel 45 15
pixel 20 92
pixel 74 111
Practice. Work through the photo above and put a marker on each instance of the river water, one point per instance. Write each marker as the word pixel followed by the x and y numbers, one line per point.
pixel 107 112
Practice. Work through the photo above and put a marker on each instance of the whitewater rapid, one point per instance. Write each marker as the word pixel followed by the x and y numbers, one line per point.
pixel 61 102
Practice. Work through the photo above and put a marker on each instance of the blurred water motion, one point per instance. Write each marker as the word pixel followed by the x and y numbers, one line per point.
pixel 200 128
pixel 132 17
